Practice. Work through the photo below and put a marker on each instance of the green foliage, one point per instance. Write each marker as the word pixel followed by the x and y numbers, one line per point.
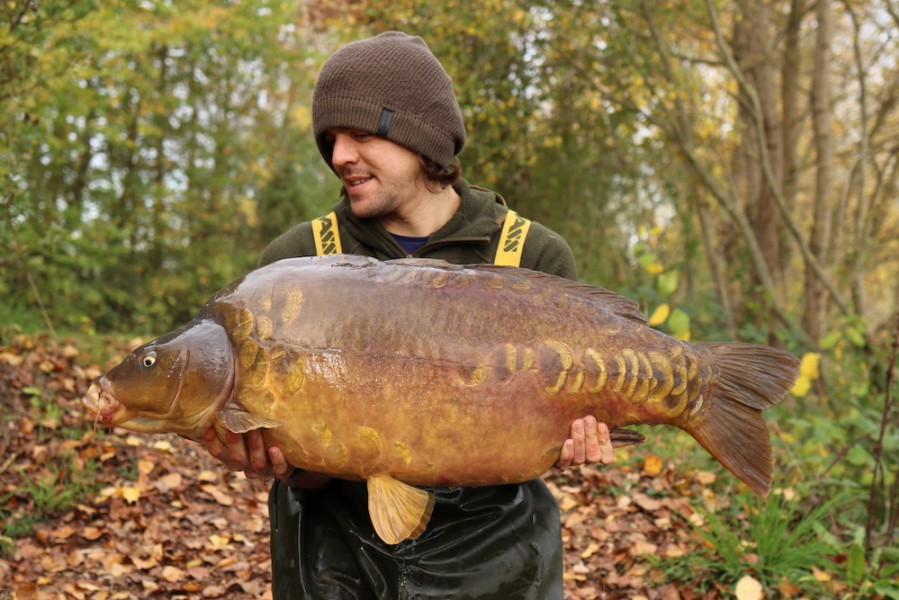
pixel 831 437
pixel 43 409
pixel 879 575
pixel 63 482
pixel 131 175
pixel 773 539
pixel 53 494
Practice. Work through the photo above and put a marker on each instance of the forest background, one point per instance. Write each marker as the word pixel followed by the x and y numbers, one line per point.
pixel 732 165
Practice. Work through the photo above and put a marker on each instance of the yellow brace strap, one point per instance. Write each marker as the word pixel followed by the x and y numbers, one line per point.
pixel 511 241
pixel 327 238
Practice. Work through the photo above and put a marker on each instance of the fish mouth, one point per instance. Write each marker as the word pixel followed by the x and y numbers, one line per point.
pixel 100 401
pixel 109 412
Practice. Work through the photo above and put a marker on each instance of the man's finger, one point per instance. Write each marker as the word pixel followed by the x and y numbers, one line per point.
pixel 565 455
pixel 577 435
pixel 593 451
pixel 237 450
pixel 217 449
pixel 257 454
pixel 280 468
pixel 604 440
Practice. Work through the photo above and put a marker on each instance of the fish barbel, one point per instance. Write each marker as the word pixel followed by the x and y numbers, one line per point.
pixel 422 373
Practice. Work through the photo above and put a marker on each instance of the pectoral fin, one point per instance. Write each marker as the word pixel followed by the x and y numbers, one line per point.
pixel 240 421
pixel 621 438
pixel 398 511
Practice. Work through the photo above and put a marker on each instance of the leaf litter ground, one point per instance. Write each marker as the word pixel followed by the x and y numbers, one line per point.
pixel 110 515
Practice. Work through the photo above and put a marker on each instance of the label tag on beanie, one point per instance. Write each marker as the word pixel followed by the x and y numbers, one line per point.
pixel 327 238
pixel 384 125
pixel 511 241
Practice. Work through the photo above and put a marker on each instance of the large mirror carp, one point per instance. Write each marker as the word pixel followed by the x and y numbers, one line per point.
pixel 421 373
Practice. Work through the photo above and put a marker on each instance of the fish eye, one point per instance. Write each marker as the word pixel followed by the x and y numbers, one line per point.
pixel 149 359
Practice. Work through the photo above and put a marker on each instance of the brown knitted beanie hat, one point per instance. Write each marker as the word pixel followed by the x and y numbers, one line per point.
pixel 390 85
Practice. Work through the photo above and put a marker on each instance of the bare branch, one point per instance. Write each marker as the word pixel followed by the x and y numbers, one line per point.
pixel 793 228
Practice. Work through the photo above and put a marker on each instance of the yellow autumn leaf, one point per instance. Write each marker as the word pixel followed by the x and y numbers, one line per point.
pixel 226 562
pixel 208 476
pixel 218 542
pixel 130 494
pixel 164 445
pixel 705 477
pixel 567 503
pixel 808 366
pixel 173 574
pixel 590 551
pixel 220 497
pixel 683 336
pixel 788 493
pixel 652 465
pixel 654 268
pixel 659 315
pixel 145 466
pixel 749 588
pixel 801 387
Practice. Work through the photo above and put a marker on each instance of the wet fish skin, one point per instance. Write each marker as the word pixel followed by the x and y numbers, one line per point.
pixel 427 373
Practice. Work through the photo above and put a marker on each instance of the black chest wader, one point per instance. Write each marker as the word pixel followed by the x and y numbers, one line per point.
pixel 499 542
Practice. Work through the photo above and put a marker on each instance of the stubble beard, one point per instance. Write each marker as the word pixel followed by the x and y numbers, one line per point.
pixel 387 200
pixel 382 204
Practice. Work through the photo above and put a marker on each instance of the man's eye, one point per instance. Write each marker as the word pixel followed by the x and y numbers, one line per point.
pixel 362 136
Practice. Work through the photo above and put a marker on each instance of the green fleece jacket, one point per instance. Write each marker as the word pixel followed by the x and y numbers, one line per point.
pixel 470 237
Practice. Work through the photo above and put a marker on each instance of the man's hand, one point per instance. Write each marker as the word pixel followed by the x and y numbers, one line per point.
pixel 590 442
pixel 247 453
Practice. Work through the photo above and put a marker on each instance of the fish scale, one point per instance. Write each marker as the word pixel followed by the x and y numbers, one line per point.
pixel 415 372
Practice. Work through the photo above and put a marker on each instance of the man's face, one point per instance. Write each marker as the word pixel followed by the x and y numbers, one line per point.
pixel 380 177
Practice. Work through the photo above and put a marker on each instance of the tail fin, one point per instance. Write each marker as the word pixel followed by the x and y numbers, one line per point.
pixel 750 379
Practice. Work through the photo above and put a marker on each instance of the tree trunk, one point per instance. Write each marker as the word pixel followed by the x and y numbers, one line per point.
pixel 791 112
pixel 82 164
pixel 157 244
pixel 752 49
pixel 819 242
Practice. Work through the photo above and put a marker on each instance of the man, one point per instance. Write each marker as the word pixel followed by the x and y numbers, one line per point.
pixel 387 122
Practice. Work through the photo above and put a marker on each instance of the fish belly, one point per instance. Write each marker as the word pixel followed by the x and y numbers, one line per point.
pixel 421 422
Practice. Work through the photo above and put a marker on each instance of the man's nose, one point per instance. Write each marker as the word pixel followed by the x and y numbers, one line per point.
pixel 345 151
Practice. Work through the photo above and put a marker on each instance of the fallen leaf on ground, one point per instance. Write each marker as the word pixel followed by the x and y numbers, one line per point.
pixel 748 588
